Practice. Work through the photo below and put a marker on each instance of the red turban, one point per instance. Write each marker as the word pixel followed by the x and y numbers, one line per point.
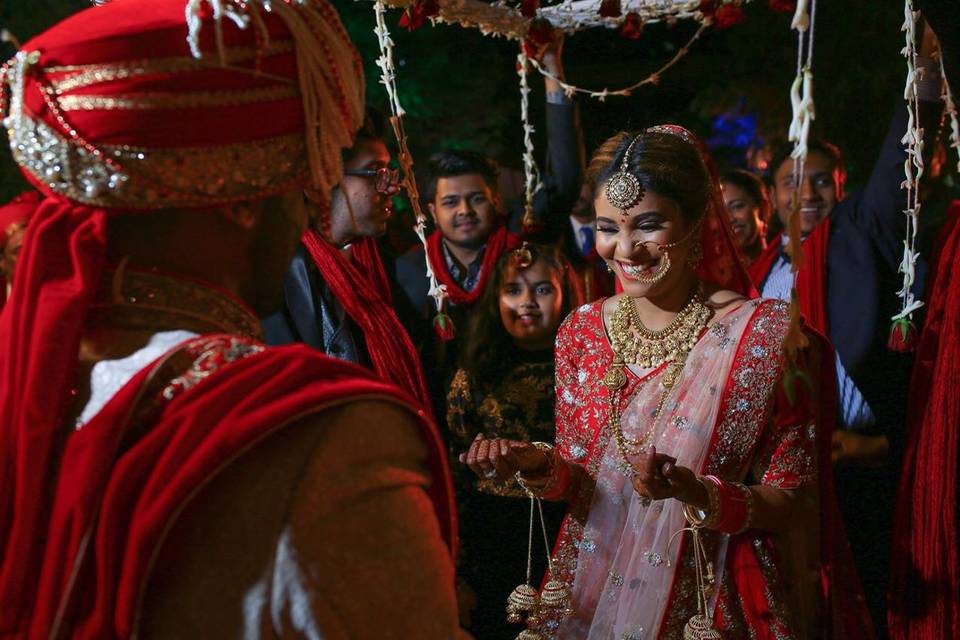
pixel 144 104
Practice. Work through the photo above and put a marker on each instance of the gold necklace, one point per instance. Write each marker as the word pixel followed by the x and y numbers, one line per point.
pixel 633 343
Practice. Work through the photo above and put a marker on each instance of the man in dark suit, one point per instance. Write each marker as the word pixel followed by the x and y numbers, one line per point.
pixel 855 244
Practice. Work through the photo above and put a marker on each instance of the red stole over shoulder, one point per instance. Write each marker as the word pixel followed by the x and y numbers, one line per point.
pixel 126 474
pixel 366 299
pixel 925 580
pixel 499 242
pixel 811 279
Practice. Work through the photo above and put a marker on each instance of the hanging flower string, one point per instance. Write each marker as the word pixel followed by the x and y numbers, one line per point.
pixel 654 78
pixel 801 101
pixel 388 78
pixel 530 170
pixel 903 333
pixel 950 110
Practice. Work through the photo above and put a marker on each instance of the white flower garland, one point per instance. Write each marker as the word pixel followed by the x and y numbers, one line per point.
pixel 530 170
pixel 388 78
pixel 912 166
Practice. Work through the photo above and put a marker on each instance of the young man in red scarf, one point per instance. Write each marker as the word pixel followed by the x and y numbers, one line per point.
pixel 13 224
pixel 473 229
pixel 847 284
pixel 178 478
pixel 338 297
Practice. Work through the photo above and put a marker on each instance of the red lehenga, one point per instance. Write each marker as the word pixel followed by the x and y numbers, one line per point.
pixel 728 416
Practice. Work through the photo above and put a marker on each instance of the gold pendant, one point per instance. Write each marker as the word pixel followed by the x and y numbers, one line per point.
pixel 672 375
pixel 615 378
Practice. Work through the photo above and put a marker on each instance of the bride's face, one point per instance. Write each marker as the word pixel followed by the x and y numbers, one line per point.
pixel 630 243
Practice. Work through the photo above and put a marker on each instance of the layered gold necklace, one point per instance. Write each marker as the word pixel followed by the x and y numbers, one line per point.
pixel 634 343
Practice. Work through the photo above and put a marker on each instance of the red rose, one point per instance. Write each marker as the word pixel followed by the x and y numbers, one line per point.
pixel 728 15
pixel 610 9
pixel 632 27
pixel 903 336
pixel 529 8
pixel 443 325
pixel 708 8
pixel 787 6
pixel 416 15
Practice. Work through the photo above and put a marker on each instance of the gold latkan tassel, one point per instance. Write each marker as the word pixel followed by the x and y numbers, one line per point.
pixel 524 598
pixel 700 626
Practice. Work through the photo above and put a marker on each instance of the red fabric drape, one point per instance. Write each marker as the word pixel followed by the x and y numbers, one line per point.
pixel 63 256
pixel 499 242
pixel 128 498
pixel 391 351
pixel 925 580
pixel 811 279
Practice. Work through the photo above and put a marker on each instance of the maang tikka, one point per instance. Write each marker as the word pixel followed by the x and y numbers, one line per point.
pixel 624 190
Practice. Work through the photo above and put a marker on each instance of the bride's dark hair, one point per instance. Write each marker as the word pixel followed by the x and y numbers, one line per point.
pixel 664 163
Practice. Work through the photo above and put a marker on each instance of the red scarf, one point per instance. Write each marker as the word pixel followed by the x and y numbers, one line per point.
pixel 364 297
pixel 925 581
pixel 499 242
pixel 811 279
pixel 129 493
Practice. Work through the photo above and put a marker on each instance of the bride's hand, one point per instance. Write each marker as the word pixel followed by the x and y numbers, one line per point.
pixel 657 476
pixel 501 458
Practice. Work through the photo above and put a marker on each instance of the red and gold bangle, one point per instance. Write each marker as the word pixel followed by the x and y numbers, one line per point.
pixel 736 507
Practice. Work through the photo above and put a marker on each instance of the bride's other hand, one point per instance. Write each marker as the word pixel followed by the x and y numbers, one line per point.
pixel 657 476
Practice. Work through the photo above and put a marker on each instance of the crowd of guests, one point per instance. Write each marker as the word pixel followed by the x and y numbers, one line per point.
pixel 512 360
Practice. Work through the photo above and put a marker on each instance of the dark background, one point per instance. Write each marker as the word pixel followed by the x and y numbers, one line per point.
pixel 460 88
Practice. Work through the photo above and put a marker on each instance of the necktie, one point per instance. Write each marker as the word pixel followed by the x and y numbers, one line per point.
pixel 586 242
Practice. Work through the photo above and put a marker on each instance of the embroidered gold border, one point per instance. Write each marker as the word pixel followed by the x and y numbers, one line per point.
pixel 163 100
pixel 90 74
pixel 159 178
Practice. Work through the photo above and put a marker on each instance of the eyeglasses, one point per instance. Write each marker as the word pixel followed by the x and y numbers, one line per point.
pixel 384 178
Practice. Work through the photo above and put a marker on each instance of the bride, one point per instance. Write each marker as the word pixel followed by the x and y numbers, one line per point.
pixel 678 409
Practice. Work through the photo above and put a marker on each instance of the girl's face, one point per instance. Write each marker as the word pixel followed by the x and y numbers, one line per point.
pixel 744 214
pixel 531 300
pixel 630 242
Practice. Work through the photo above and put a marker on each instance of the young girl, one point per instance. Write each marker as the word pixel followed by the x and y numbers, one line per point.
pixel 505 389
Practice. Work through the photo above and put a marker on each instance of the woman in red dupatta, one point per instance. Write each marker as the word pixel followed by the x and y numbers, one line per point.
pixel 703 420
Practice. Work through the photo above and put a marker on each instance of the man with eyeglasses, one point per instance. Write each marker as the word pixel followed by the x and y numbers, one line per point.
pixel 337 295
